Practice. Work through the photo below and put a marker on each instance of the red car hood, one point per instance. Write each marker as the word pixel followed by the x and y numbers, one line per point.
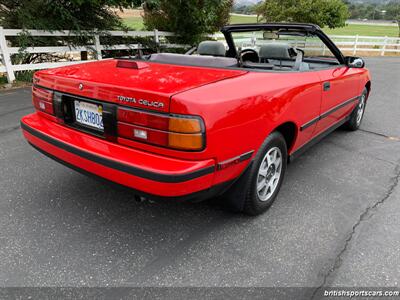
pixel 153 82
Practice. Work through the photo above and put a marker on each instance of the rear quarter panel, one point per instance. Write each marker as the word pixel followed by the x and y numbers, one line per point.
pixel 239 113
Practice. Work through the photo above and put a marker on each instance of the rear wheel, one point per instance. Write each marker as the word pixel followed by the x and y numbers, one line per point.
pixel 266 176
pixel 358 113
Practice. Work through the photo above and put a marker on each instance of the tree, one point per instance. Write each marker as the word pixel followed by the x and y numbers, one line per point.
pixel 189 19
pixel 80 16
pixel 60 14
pixel 393 12
pixel 331 13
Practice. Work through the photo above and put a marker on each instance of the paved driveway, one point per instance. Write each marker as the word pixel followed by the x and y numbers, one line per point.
pixel 336 221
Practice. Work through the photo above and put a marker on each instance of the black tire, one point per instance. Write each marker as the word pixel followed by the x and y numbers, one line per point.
pixel 355 120
pixel 242 195
pixel 253 204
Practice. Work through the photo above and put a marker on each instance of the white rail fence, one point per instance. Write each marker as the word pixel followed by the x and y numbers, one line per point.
pixel 378 45
pixel 351 45
pixel 97 47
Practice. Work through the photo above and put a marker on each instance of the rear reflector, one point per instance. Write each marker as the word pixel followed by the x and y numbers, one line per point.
pixel 171 131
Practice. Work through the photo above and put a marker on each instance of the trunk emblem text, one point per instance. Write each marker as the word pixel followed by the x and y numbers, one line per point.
pixel 143 102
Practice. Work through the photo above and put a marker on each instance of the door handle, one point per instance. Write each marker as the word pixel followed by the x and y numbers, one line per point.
pixel 327 86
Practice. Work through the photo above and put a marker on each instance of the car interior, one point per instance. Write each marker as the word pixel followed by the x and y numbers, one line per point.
pixel 272 51
pixel 209 54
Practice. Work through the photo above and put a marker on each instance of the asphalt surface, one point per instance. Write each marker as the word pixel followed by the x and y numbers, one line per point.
pixel 336 221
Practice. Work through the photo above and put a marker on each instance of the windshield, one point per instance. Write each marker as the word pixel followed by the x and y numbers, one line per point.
pixel 311 45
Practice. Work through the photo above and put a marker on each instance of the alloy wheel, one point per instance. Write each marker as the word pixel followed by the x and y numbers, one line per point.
pixel 269 174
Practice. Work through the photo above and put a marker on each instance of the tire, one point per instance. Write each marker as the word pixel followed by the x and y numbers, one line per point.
pixel 358 113
pixel 266 175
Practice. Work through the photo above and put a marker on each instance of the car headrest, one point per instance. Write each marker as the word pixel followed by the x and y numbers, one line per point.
pixel 275 51
pixel 212 48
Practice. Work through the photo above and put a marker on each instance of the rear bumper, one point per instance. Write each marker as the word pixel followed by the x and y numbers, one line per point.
pixel 147 173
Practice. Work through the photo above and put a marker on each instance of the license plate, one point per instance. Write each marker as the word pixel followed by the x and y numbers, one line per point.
pixel 89 114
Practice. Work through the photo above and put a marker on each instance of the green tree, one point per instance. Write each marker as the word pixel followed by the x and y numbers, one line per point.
pixel 331 13
pixel 189 19
pixel 61 14
pixel 393 12
pixel 80 16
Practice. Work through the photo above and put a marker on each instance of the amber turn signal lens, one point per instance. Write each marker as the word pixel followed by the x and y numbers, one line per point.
pixel 183 125
pixel 185 141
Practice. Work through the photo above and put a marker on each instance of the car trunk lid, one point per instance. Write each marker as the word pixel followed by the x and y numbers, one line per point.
pixel 148 86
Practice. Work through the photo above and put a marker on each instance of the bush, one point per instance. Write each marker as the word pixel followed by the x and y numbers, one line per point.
pixel 190 19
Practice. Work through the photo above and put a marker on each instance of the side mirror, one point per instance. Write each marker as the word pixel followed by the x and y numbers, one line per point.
pixel 355 62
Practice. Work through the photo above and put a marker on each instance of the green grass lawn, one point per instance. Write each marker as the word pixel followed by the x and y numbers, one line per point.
pixel 351 29
pixel 366 30
pixel 243 19
pixel 136 23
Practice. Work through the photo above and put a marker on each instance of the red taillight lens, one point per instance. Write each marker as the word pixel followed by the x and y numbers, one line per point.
pixel 143 119
pixel 43 100
pixel 177 132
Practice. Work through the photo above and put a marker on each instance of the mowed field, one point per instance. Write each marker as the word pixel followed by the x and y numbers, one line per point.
pixel 350 29
pixel 136 22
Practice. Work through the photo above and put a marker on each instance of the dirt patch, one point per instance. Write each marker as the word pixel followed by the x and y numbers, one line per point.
pixel 15 85
pixel 129 13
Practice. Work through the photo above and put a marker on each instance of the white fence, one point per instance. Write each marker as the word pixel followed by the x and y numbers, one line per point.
pixel 6 65
pixel 358 43
pixel 351 45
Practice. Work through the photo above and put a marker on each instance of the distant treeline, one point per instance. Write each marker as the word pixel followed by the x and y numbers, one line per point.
pixel 371 11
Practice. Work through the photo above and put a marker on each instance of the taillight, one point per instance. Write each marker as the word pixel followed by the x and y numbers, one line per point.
pixel 43 100
pixel 171 131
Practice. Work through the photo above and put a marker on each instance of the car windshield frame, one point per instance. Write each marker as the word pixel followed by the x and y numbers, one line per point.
pixel 294 27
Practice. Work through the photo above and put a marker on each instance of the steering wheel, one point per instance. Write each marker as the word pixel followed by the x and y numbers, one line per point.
pixel 249 55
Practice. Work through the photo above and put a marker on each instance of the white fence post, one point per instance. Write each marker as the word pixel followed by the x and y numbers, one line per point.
pixel 156 36
pixel 384 46
pixel 6 57
pixel 97 46
pixel 355 45
pixel 157 39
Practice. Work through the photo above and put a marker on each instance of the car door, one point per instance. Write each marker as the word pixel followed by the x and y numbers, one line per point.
pixel 339 95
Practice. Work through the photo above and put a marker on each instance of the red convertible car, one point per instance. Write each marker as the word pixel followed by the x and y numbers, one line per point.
pixel 222 120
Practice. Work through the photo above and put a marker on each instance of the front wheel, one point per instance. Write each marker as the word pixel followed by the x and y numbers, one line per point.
pixel 358 113
pixel 266 176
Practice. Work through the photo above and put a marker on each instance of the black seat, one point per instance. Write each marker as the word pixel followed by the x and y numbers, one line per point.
pixel 274 51
pixel 212 48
